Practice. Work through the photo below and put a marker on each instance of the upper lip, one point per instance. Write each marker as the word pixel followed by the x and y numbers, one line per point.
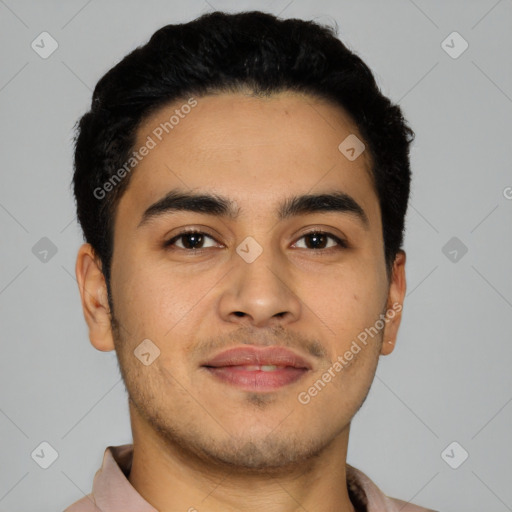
pixel 238 356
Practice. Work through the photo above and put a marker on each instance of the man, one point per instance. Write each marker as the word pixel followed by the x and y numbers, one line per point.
pixel 242 186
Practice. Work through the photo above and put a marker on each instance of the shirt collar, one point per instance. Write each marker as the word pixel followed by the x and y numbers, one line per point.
pixel 111 488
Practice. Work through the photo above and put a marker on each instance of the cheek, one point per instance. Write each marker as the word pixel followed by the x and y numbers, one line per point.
pixel 346 310
pixel 135 301
pixel 158 301
pixel 349 296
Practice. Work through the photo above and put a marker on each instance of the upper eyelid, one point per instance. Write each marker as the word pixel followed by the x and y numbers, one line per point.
pixel 329 234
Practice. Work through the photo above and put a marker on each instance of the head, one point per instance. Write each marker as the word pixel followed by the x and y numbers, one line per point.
pixel 240 120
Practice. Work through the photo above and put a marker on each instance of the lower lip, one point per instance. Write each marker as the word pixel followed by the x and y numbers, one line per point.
pixel 257 380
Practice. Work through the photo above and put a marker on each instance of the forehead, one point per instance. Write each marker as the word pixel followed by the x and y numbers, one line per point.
pixel 251 149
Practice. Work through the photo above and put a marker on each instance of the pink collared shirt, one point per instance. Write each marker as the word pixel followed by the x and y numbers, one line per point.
pixel 112 491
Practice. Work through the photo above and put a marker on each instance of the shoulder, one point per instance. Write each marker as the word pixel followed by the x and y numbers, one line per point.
pixel 86 504
pixel 408 507
pixel 375 498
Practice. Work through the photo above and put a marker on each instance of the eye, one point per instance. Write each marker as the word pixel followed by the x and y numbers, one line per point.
pixel 193 240
pixel 318 239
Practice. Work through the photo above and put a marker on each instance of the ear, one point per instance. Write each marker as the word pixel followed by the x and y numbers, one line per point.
pixel 394 305
pixel 93 293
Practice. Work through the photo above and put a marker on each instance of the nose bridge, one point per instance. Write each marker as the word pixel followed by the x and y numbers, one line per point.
pixel 257 287
pixel 259 265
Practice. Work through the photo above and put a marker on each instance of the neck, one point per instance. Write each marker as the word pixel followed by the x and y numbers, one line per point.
pixel 169 478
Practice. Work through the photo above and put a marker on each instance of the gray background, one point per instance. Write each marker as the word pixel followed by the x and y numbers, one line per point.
pixel 449 378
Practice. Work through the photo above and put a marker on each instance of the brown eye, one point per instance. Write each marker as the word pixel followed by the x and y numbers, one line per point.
pixel 195 241
pixel 317 240
pixel 190 240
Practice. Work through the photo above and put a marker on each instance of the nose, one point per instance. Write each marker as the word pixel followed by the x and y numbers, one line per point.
pixel 259 293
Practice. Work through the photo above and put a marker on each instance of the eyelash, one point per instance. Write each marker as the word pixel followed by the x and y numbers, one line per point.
pixel 341 243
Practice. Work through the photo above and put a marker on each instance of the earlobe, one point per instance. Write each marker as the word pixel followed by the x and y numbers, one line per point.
pixel 387 347
pixel 93 294
pixel 396 295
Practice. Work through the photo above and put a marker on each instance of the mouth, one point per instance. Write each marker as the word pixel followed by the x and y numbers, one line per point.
pixel 258 369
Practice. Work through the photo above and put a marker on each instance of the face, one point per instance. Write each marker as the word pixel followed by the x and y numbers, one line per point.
pixel 309 280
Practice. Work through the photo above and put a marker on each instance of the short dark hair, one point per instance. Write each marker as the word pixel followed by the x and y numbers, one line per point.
pixel 221 52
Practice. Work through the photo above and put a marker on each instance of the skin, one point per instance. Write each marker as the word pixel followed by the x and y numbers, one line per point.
pixel 199 442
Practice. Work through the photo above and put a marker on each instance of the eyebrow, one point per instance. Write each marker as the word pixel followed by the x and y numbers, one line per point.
pixel 219 206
